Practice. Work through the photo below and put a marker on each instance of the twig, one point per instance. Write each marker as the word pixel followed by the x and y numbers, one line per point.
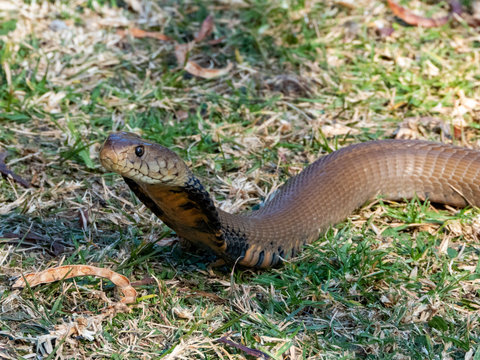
pixel 247 350
pixel 5 171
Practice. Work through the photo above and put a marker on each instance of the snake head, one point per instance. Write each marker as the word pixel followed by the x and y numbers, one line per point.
pixel 142 161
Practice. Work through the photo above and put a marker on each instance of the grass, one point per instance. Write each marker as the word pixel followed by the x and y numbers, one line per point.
pixel 393 281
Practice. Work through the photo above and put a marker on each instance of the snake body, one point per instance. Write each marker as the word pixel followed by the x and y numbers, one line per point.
pixel 323 194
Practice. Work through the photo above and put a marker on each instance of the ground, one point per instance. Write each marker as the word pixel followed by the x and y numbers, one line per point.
pixel 393 281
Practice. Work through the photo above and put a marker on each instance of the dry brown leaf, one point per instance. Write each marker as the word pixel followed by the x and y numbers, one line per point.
pixel 382 28
pixel 196 70
pixel 183 313
pixel 216 41
pixel 136 5
pixel 145 281
pixel 205 29
pixel 139 33
pixel 416 20
pixel 182 50
pixel 70 271
pixel 181 115
pixel 349 4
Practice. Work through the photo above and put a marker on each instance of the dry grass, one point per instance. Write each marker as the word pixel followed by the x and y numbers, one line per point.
pixel 394 281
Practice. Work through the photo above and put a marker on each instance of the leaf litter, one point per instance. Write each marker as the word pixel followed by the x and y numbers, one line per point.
pixel 182 51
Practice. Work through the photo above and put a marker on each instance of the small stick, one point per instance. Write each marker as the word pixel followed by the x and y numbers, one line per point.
pixel 5 171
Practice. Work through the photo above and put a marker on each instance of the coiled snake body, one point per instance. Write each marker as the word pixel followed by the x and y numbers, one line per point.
pixel 324 193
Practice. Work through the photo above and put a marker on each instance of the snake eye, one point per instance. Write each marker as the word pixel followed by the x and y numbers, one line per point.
pixel 139 151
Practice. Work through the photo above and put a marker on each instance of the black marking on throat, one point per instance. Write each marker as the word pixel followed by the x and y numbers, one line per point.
pixel 145 199
pixel 200 199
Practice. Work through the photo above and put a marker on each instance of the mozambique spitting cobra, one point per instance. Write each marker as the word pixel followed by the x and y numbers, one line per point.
pixel 323 194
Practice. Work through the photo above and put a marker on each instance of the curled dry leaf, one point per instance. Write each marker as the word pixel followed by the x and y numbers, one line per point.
pixel 139 33
pixel 182 50
pixel 71 271
pixel 136 5
pixel 145 281
pixel 216 41
pixel 196 70
pixel 382 28
pixel 183 313
pixel 349 4
pixel 205 29
pixel 416 20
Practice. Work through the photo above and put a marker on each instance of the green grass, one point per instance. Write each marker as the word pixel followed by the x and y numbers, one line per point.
pixel 394 281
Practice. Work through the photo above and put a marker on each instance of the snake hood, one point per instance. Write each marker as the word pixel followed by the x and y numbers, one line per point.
pixel 323 194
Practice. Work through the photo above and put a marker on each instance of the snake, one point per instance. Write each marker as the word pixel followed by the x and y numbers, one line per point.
pixel 306 205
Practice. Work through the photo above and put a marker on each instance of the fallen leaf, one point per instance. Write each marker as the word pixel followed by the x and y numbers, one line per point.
pixel 182 50
pixel 181 115
pixel 205 29
pixel 349 4
pixel 167 241
pixel 6 172
pixel 139 33
pixel 216 41
pixel 144 281
pixel 416 20
pixel 196 70
pixel 71 271
pixel 382 28
pixel 136 5
pixel 183 313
